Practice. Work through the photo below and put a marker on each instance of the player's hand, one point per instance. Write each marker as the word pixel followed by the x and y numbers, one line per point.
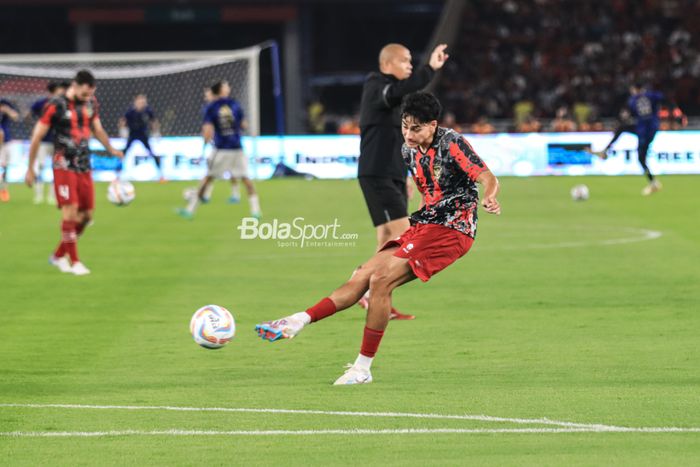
pixel 491 205
pixel 409 189
pixel 438 57
pixel 116 153
pixel 30 178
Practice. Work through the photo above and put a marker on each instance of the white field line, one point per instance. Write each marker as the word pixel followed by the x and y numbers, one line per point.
pixel 643 235
pixel 481 418
pixel 403 431
pixel 636 235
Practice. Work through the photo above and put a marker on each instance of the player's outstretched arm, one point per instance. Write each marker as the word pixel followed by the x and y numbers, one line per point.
pixel 103 138
pixel 40 130
pixel 208 132
pixel 438 57
pixel 491 188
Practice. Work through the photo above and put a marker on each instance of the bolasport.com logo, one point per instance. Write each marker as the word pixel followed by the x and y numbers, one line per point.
pixel 297 233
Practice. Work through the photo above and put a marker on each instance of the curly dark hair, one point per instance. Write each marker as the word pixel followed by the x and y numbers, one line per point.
pixel 423 106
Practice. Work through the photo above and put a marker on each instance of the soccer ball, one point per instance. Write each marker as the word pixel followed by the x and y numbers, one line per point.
pixel 121 193
pixel 212 326
pixel 580 193
pixel 189 193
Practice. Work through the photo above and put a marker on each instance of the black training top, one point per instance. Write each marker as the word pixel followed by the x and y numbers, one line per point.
pixel 380 122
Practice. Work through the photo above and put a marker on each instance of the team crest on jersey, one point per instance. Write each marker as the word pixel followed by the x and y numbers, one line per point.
pixel 437 168
pixel 225 111
pixel 90 111
pixel 68 114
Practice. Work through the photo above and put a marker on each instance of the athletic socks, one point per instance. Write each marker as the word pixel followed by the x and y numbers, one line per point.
pixel 254 205
pixel 70 238
pixel 236 191
pixel 363 362
pixel 192 204
pixel 322 309
pixel 370 342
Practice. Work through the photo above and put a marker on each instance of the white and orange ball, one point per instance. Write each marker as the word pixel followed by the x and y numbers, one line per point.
pixel 121 192
pixel 212 326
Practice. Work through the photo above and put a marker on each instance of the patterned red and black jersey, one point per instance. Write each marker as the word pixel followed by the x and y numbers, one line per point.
pixel 71 120
pixel 446 176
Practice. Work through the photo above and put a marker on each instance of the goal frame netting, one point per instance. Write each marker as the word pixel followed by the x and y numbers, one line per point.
pixel 38 65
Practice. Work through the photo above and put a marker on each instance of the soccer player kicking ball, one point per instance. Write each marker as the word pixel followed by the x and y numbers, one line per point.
pixel 72 117
pixel 446 170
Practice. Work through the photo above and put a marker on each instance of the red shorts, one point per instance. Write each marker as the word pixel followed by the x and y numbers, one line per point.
pixel 430 248
pixel 74 188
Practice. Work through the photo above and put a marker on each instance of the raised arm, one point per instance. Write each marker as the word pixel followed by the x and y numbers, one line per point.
pixel 393 93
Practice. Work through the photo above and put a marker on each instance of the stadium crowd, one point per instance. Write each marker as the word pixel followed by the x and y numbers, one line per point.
pixel 570 63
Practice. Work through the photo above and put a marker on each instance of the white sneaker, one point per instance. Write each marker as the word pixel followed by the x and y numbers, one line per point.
pixel 38 199
pixel 62 263
pixel 285 328
pixel 79 269
pixel 652 187
pixel 354 375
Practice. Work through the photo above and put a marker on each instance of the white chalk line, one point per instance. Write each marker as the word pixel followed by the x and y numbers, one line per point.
pixel 643 236
pixel 402 431
pixel 639 235
pixel 433 416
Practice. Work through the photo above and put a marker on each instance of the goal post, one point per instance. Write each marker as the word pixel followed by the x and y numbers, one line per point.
pixel 173 82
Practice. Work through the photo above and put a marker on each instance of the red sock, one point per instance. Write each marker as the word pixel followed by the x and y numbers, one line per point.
pixel 79 227
pixel 69 240
pixel 60 251
pixel 322 309
pixel 370 342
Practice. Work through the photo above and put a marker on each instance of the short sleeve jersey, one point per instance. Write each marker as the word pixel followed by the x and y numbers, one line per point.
pixel 446 176
pixel 5 120
pixel 645 109
pixel 138 121
pixel 71 120
pixel 226 115
pixel 37 111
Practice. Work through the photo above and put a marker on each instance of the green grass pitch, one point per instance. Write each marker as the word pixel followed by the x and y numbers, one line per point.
pixel 580 312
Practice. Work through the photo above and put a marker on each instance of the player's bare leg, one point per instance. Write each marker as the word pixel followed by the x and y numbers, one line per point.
pixel 253 199
pixel 340 299
pixel 235 197
pixel 4 193
pixel 394 273
pixel 385 232
pixel 188 212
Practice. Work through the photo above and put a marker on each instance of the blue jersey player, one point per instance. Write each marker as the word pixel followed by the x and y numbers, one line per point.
pixel 45 153
pixel 644 107
pixel 139 121
pixel 8 114
pixel 222 126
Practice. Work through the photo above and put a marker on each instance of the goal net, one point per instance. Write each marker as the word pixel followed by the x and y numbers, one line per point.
pixel 173 82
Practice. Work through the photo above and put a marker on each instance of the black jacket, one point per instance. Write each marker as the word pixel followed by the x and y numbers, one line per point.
pixel 380 122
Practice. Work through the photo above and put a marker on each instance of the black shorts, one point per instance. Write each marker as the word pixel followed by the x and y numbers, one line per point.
pixel 386 198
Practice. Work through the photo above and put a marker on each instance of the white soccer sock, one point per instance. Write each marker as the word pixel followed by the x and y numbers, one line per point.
pixel 254 204
pixel 236 191
pixel 192 205
pixel 302 316
pixel 363 362
pixel 38 191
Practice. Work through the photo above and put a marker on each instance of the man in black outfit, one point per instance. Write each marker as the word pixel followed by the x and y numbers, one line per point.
pixel 382 172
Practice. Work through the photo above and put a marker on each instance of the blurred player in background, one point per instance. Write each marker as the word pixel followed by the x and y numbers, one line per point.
pixel 223 124
pixel 382 172
pixel 71 117
pixel 8 114
pixel 140 121
pixel 446 171
pixel 642 120
pixel 45 152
